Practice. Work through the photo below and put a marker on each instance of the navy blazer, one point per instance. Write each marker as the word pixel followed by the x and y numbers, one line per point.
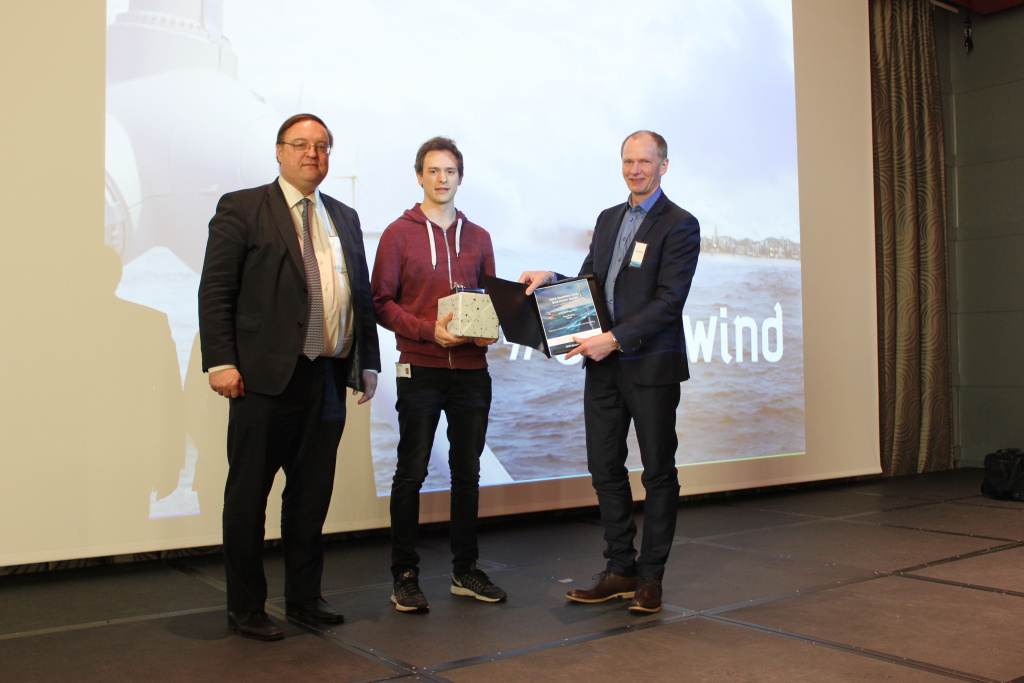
pixel 253 302
pixel 649 299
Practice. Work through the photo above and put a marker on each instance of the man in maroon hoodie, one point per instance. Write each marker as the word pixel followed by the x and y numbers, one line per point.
pixel 421 257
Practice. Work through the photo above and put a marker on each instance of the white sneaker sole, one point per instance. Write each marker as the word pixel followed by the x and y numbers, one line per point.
pixel 459 590
pixel 407 608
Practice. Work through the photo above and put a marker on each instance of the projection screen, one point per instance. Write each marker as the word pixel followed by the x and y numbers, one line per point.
pixel 117 442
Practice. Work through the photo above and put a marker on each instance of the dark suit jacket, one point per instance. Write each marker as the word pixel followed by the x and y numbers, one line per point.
pixel 649 299
pixel 252 294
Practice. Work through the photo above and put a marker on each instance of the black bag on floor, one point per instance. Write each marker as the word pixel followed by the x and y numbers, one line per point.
pixel 1004 475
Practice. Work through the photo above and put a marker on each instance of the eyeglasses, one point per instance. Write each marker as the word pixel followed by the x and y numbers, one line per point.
pixel 303 147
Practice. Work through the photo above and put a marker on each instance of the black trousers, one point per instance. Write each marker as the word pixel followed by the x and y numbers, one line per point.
pixel 610 402
pixel 267 434
pixel 465 398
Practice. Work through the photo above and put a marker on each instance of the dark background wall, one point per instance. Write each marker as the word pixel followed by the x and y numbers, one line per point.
pixel 983 100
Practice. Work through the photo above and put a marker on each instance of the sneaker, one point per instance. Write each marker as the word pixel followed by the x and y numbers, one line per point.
pixel 476 584
pixel 407 595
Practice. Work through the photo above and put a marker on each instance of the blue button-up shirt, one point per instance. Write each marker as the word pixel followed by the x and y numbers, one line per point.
pixel 631 221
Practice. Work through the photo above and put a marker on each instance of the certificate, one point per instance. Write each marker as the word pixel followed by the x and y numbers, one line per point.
pixel 548 319
pixel 567 309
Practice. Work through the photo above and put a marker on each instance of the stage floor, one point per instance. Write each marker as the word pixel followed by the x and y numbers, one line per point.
pixel 910 579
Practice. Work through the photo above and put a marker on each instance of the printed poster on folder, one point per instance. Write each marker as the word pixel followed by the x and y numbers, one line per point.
pixel 568 308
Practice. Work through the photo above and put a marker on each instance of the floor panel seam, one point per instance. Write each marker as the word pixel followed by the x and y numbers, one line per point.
pixel 782 556
pixel 956 558
pixel 960 584
pixel 821 588
pixel 393 663
pixel 327 634
pixel 198 575
pixel 107 622
pixel 944 532
pixel 555 644
pixel 860 651
pixel 803 522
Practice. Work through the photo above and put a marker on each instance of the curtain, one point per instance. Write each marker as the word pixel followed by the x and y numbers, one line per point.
pixel 910 226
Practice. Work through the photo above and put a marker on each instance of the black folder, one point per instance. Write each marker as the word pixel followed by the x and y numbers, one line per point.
pixel 565 307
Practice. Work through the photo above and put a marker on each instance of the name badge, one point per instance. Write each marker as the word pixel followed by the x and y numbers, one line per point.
pixel 332 238
pixel 339 260
pixel 637 259
pixel 403 370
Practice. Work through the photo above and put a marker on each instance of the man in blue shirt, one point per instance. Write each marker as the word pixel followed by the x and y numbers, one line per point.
pixel 643 255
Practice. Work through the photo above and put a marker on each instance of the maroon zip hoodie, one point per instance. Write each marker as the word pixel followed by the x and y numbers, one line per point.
pixel 417 263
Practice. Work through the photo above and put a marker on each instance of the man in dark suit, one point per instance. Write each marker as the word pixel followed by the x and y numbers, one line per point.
pixel 286 323
pixel 643 255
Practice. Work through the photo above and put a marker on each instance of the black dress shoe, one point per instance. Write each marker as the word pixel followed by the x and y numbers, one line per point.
pixel 647 599
pixel 316 610
pixel 254 625
pixel 608 586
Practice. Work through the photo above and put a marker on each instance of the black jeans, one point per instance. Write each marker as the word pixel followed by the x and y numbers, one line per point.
pixel 465 398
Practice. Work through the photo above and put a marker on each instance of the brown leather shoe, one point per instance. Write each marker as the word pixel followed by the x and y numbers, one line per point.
pixel 647 599
pixel 608 586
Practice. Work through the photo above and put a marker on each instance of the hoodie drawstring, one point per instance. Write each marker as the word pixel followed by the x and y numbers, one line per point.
pixel 433 248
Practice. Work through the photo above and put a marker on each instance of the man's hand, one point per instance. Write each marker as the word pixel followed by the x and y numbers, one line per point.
pixel 227 383
pixel 443 337
pixel 536 278
pixel 598 347
pixel 369 387
pixel 481 341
